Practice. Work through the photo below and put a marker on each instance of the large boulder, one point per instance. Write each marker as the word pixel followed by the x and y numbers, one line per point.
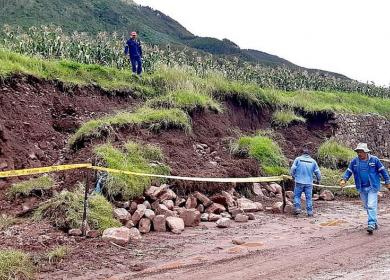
pixel 175 224
pixel 169 204
pixel 215 208
pixel 167 195
pixel 122 215
pixel 191 217
pixel 138 214
pixel 229 199
pixel 191 202
pixel 223 223
pixel 276 187
pixel 326 195
pixel 163 210
pixel 149 214
pixel 144 225
pixel 203 199
pixel 241 218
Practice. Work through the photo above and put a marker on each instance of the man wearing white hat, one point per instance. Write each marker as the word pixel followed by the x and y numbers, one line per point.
pixel 366 170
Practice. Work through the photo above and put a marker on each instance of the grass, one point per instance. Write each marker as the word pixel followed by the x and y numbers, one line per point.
pixel 286 117
pixel 331 177
pixel 154 119
pixel 265 151
pixel 186 100
pixel 65 211
pixel 15 265
pixel 25 188
pixel 166 80
pixel 57 254
pixel 134 157
pixel 7 221
pixel 333 154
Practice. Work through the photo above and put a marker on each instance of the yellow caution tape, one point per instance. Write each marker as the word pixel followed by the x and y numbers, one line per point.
pixel 196 179
pixel 40 170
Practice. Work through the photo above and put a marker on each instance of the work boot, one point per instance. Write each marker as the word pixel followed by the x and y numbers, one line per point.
pixel 297 212
pixel 370 229
pixel 310 215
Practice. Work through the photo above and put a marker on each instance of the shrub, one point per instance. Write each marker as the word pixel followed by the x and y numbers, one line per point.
pixel 27 187
pixel 265 151
pixel 15 265
pixel 285 117
pixel 135 158
pixel 334 155
pixel 65 211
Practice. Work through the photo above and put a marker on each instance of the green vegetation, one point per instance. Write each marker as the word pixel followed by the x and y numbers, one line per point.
pixel 265 151
pixel 285 117
pixel 332 154
pixel 331 177
pixel 186 100
pixel 153 119
pixel 57 254
pixel 15 265
pixel 6 221
pixel 107 50
pixel 27 187
pixel 65 211
pixel 135 158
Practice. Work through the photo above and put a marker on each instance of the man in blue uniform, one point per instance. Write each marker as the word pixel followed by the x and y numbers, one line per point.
pixel 134 50
pixel 366 170
pixel 302 171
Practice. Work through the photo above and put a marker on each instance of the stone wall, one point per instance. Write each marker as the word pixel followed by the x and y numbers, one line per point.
pixel 371 129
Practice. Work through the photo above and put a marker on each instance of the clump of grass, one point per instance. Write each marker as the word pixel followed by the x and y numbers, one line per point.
pixel 57 254
pixel 25 188
pixel 188 100
pixel 331 177
pixel 15 265
pixel 134 157
pixel 154 119
pixel 65 211
pixel 265 151
pixel 333 154
pixel 7 221
pixel 286 117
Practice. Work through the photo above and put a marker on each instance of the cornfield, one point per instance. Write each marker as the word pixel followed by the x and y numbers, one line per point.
pixel 107 49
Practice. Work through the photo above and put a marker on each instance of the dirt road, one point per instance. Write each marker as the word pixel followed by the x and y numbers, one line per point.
pixel 333 245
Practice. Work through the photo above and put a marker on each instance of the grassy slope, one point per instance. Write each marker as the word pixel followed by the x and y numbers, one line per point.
pixel 167 80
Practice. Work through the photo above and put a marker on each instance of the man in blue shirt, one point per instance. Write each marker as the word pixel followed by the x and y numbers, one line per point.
pixel 302 171
pixel 366 170
pixel 134 50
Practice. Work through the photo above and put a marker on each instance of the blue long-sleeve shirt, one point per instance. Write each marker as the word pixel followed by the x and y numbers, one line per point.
pixel 372 172
pixel 303 169
pixel 133 48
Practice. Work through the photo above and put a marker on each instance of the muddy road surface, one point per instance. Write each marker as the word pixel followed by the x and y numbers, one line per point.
pixel 332 245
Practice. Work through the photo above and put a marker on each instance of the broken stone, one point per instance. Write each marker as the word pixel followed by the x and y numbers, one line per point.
pixel 223 223
pixel 75 232
pixel 251 216
pixel 276 187
pixel 191 202
pixel 256 189
pixel 159 223
pixel 270 188
pixel 235 210
pixel 316 197
pixel 175 224
pixel 241 218
pixel 226 215
pixel 200 208
pixel 203 199
pixel 259 206
pixel 247 205
pixel 326 195
pixel 150 191
pixel 155 204
pixel 290 194
pixel 163 210
pixel 215 208
pixel 277 207
pixel 144 225
pixel 120 236
pixel 133 207
pixel 229 198
pixel 122 215
pixel 147 204
pixel 180 201
pixel 135 234
pixel 167 195
pixel 159 191
pixel 214 217
pixel 138 214
pixel 169 204
pixel 204 217
pixel 129 224
pixel 191 217
pixel 149 214
pixel 92 233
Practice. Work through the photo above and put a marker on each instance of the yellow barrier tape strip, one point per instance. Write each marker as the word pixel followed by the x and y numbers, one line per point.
pixel 196 179
pixel 40 170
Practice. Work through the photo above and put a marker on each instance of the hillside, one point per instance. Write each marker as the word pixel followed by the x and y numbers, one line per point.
pixel 123 16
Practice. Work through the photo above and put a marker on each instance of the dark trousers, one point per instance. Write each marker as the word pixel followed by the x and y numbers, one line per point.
pixel 136 64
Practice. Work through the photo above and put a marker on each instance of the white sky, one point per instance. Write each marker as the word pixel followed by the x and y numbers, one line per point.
pixel 351 37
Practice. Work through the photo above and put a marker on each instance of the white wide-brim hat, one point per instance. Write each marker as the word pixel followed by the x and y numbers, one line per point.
pixel 363 147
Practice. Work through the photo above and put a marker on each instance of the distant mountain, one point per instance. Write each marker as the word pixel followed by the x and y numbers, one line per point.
pixel 123 16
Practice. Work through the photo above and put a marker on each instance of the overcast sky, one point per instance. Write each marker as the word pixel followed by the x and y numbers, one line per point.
pixel 351 37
